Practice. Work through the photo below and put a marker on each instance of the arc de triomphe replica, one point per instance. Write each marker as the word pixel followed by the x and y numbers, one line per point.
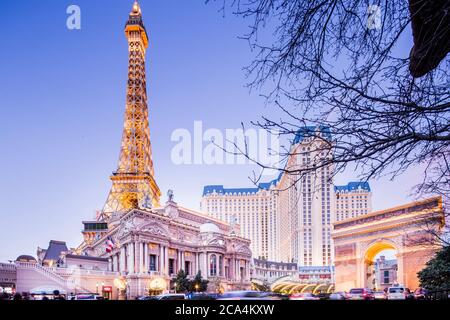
pixel 407 229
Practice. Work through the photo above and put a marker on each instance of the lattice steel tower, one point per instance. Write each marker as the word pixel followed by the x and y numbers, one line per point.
pixel 133 183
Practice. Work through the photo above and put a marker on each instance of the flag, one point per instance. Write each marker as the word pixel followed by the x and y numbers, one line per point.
pixel 109 244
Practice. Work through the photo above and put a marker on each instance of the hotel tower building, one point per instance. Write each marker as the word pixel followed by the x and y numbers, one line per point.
pixel 290 218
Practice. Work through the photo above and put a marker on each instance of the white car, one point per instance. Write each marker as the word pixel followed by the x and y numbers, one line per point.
pixel 337 296
pixel 397 293
pixel 245 295
pixel 88 296
pixel 168 296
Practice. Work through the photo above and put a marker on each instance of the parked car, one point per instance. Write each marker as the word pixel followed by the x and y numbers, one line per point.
pixel 338 296
pixel 168 296
pixel 397 293
pixel 202 296
pixel 248 295
pixel 323 296
pixel 420 294
pixel 146 298
pixel 360 294
pixel 171 296
pixel 380 295
pixel 409 294
pixel 88 296
pixel 271 296
pixel 303 296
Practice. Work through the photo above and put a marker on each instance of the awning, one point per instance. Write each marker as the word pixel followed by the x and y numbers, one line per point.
pixel 47 290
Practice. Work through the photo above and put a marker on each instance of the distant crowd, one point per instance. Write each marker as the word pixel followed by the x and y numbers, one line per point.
pixel 27 296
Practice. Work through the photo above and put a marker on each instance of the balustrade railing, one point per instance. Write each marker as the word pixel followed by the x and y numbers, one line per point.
pixel 7 266
pixel 44 271
pixel 65 277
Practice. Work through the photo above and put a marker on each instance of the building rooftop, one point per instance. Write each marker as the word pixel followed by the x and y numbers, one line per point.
pixel 26 258
pixel 275 264
pixel 315 268
pixel 309 131
pixel 221 190
pixel 75 256
pixel 352 186
pixel 54 250
pixel 312 131
pixel 209 228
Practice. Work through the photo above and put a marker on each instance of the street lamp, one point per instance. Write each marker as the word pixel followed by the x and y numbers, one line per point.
pixel 175 287
pixel 196 287
pixel 96 286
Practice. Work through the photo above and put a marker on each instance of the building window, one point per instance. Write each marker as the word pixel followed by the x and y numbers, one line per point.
pixel 221 266
pixel 386 276
pixel 171 266
pixel 152 266
pixel 187 267
pixel 213 265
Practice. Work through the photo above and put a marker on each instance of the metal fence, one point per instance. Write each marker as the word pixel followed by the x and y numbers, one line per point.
pixel 439 294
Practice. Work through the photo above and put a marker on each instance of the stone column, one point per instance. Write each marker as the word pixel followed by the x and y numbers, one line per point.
pixel 401 279
pixel 196 264
pixel 130 266
pixel 201 265
pixel 146 257
pixel 248 270
pixel 161 258
pixel 135 257
pixel 122 259
pixel 141 257
pixel 182 261
pixel 238 269
pixel 234 269
pixel 166 260
pixel 206 265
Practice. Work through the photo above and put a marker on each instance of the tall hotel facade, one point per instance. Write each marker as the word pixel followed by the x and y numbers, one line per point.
pixel 290 218
pixel 254 209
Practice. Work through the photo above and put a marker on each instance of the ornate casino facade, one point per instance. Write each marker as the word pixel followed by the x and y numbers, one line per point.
pixel 152 245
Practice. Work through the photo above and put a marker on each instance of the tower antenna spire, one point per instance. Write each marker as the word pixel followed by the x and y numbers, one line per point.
pixel 136 7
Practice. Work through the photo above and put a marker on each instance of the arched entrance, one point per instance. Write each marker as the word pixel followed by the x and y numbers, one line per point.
pixel 380 265
pixel 406 229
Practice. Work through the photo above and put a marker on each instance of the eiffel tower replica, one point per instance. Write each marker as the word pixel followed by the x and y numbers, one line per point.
pixel 133 184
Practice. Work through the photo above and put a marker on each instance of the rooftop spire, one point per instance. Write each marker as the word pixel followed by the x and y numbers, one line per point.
pixel 136 8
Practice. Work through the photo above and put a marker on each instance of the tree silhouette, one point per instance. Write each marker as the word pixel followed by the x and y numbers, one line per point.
pixel 181 282
pixel 198 284
pixel 436 274
pixel 341 65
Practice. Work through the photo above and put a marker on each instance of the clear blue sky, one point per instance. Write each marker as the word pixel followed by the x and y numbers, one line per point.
pixel 62 97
